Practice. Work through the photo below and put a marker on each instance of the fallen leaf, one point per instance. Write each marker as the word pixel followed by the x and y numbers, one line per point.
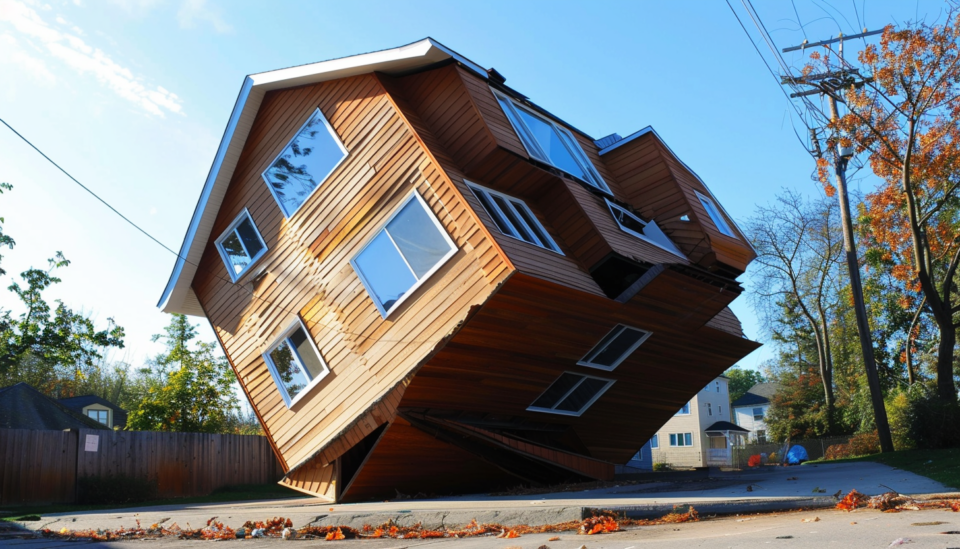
pixel 554 538
pixel 899 541
pixel 814 519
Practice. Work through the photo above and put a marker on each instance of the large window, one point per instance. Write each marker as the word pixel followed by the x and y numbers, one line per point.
pixel 714 212
pixel 403 254
pixel 295 363
pixel 614 348
pixel 304 164
pixel 684 410
pixel 571 394
pixel 513 217
pixel 681 439
pixel 550 142
pixel 241 245
pixel 644 230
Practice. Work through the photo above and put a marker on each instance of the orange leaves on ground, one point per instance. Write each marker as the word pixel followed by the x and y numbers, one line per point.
pixel 335 535
pixel 598 525
pixel 851 501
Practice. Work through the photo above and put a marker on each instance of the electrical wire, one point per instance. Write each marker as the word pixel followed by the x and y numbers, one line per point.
pixel 185 260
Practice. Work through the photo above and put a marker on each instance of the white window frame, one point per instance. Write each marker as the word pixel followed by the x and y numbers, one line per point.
pixel 594 179
pixel 655 442
pixel 596 350
pixel 420 281
pixel 512 203
pixel 762 414
pixel 675 439
pixel 98 411
pixel 716 215
pixel 336 139
pixel 681 412
pixel 298 323
pixel 586 406
pixel 611 206
pixel 245 214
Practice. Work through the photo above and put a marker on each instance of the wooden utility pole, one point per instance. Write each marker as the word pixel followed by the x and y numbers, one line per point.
pixel 830 85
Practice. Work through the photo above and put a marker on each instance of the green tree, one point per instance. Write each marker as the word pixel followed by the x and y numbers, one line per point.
pixel 741 380
pixel 190 387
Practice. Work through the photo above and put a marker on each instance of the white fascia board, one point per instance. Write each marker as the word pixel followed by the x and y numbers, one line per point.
pixel 649 129
pixel 175 298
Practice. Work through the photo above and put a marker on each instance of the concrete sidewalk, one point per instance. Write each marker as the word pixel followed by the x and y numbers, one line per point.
pixel 766 489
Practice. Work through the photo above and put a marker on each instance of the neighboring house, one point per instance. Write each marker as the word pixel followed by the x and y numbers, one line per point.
pixel 698 435
pixel 23 407
pixel 425 282
pixel 98 409
pixel 750 410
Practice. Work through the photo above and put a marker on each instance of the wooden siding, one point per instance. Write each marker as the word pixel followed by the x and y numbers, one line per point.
pixel 533 330
pixel 306 270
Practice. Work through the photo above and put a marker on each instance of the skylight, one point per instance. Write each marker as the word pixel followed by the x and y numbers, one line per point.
pixel 571 394
pixel 615 347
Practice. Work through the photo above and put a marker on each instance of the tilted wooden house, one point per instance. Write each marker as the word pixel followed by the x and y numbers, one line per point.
pixel 427 283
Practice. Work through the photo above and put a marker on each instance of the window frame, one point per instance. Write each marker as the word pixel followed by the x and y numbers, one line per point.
pixel 594 351
pixel 611 206
pixel 585 407
pixel 720 221
pixel 681 412
pixel 569 141
pixel 283 336
pixel 336 139
pixel 415 195
pixel 655 441
pixel 686 438
pixel 232 228
pixel 511 202
pixel 762 414
pixel 106 414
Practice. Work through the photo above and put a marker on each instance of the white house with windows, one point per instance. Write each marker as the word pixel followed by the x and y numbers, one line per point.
pixel 700 434
pixel 750 410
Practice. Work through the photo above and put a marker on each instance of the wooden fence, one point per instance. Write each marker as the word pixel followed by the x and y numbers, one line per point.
pixel 43 466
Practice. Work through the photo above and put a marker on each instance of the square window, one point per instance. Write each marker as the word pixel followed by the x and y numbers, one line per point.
pixel 614 348
pixel 648 231
pixel 403 254
pixel 758 414
pixel 550 142
pixel 571 394
pixel 714 212
pixel 685 410
pixel 295 363
pixel 513 217
pixel 99 416
pixel 305 163
pixel 241 245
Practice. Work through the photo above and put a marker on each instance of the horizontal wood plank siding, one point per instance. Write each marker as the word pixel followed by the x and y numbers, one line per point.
pixel 307 272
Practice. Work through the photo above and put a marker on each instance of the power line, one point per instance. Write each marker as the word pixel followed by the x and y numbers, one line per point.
pixel 185 260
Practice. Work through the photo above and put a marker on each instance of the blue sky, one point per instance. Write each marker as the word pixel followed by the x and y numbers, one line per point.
pixel 132 96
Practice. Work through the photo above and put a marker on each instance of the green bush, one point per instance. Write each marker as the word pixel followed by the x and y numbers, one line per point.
pixel 899 417
pixel 933 424
pixel 661 466
pixel 115 489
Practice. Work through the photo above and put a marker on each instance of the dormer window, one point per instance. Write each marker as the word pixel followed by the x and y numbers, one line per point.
pixel 241 245
pixel 513 217
pixel 550 142
pixel 304 164
pixel 644 230
pixel 714 212
pixel 403 254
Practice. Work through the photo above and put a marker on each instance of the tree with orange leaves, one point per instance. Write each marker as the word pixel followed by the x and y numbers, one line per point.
pixel 904 115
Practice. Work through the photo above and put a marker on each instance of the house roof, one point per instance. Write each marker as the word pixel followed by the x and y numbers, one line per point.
pixel 726 426
pixel 178 296
pixel 761 393
pixel 78 403
pixel 23 407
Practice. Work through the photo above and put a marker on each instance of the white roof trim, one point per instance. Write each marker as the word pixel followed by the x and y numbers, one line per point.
pixel 178 297
pixel 649 129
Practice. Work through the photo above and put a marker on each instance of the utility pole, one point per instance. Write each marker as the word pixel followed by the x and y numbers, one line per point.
pixel 831 84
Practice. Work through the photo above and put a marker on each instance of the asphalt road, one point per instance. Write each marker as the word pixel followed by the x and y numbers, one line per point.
pixel 861 528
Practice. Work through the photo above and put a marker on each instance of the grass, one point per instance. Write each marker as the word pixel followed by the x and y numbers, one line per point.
pixel 942 466
pixel 242 492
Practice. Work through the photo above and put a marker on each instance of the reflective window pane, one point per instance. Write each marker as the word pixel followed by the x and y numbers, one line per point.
pixel 418 237
pixel 250 238
pixel 384 271
pixel 288 371
pixel 235 253
pixel 534 224
pixel 552 144
pixel 498 219
pixel 616 349
pixel 581 396
pixel 304 164
pixel 557 390
pixel 306 352
pixel 521 227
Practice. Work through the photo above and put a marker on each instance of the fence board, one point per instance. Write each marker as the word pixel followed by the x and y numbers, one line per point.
pixel 43 466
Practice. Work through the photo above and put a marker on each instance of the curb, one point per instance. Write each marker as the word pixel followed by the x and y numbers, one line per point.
pixel 735 507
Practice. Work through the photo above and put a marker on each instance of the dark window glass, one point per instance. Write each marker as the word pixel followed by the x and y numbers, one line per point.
pixel 582 395
pixel 557 390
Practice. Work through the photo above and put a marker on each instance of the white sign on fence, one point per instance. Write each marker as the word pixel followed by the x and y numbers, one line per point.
pixel 91 443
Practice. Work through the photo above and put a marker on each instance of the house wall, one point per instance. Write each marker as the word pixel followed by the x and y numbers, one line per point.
pixel 306 271
pixel 716 394
pixel 743 416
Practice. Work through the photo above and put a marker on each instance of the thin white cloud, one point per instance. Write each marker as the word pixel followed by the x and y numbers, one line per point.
pixel 192 11
pixel 12 53
pixel 78 55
